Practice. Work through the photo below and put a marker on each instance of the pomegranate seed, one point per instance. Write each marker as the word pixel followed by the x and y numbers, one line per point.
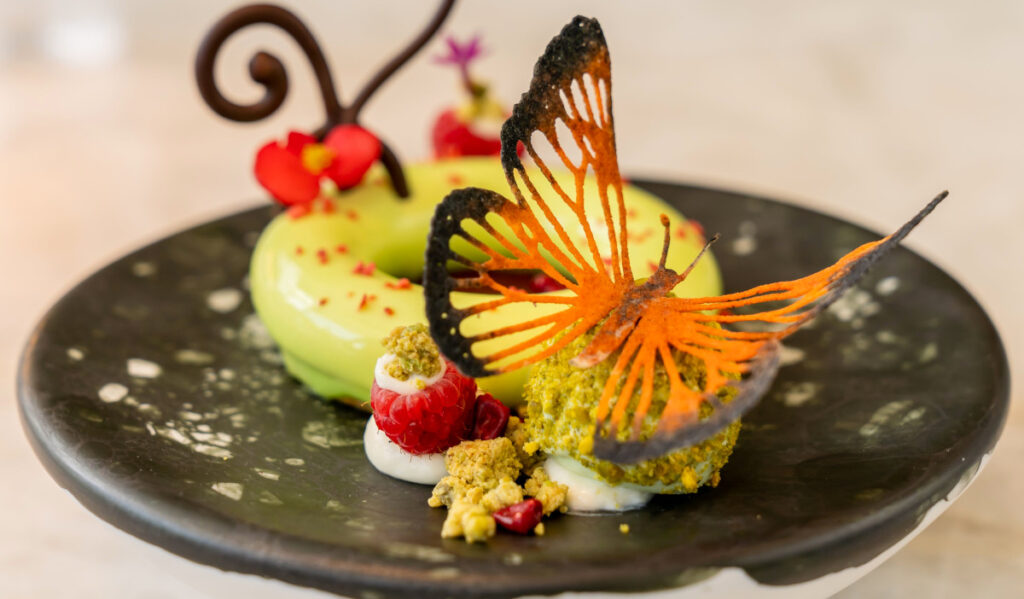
pixel 521 517
pixel 490 418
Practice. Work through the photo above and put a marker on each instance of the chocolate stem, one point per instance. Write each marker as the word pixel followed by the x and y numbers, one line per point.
pixel 264 68
pixel 267 70
pixel 401 58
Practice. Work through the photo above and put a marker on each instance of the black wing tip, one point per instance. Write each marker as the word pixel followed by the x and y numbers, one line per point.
pixel 749 392
pixel 443 318
pixel 566 56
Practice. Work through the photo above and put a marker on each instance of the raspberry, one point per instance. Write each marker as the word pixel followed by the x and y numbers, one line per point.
pixel 520 517
pixel 489 418
pixel 428 421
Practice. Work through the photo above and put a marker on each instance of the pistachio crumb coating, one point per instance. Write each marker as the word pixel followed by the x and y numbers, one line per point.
pixel 562 402
pixel 415 352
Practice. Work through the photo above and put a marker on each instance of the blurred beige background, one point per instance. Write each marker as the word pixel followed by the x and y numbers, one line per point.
pixel 861 109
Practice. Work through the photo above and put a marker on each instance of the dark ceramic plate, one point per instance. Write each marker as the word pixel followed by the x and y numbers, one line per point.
pixel 153 395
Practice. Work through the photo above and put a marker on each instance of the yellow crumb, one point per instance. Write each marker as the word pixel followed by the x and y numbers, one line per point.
pixel 482 479
pixel 539 529
pixel 552 495
pixel 468 520
pixel 586 445
pixel 624 529
pixel 689 479
pixel 483 463
pixel 505 494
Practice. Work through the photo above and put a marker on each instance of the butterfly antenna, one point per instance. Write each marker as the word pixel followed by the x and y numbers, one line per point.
pixel 664 246
pixel 707 245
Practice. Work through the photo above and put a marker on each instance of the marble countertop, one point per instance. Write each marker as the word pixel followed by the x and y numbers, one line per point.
pixel 863 110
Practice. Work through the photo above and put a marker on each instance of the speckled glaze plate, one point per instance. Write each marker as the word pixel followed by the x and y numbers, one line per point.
pixel 152 393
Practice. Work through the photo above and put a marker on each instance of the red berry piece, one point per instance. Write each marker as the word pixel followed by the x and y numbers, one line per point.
pixel 453 137
pixel 490 418
pixel 521 517
pixel 428 421
pixel 541 283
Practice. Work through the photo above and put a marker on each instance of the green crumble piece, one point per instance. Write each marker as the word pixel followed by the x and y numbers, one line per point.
pixel 550 494
pixel 517 433
pixel 415 352
pixel 469 520
pixel 482 480
pixel 483 463
pixel 505 494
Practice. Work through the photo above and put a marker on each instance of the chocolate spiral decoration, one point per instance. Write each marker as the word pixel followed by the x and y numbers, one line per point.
pixel 269 72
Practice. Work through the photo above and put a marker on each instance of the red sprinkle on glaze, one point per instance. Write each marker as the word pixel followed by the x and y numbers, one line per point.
pixel 341 249
pixel 327 205
pixel 389 310
pixel 365 301
pixel 631 213
pixel 680 232
pixel 299 251
pixel 365 268
pixel 323 301
pixel 352 215
pixel 298 210
pixel 455 179
pixel 652 266
pixel 321 255
pixel 402 283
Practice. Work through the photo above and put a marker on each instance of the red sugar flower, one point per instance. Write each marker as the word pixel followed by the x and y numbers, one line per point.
pixel 292 171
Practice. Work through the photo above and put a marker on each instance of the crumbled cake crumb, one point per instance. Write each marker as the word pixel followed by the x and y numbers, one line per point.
pixel 483 463
pixel 552 495
pixel 468 520
pixel 516 432
pixel 482 479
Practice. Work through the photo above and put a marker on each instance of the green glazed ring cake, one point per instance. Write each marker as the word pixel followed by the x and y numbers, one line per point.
pixel 331 284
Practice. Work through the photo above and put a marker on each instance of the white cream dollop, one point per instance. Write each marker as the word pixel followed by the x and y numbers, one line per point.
pixel 588 494
pixel 394 461
pixel 412 385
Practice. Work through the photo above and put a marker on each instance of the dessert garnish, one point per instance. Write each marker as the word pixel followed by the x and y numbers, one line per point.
pixel 482 489
pixel 520 517
pixel 465 130
pixel 565 119
pixel 420 402
pixel 490 417
pixel 293 172
pixel 268 71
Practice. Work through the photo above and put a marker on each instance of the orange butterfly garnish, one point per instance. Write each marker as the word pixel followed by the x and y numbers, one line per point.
pixel 638 319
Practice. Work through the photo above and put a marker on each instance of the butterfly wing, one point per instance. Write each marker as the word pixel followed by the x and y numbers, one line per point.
pixel 565 120
pixel 739 363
